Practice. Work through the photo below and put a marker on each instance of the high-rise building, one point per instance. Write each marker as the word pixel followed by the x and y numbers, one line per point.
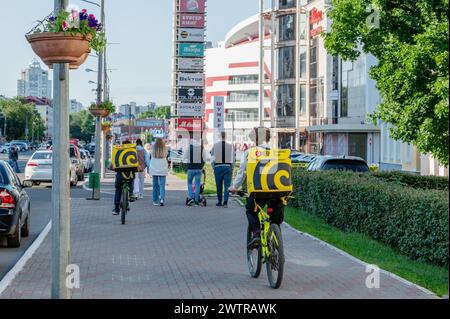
pixel 34 82
pixel 75 106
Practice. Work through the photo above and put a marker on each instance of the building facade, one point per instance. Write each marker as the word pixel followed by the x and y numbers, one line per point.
pixel 34 82
pixel 76 106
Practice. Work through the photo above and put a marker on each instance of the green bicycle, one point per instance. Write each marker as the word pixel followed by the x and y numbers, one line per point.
pixel 270 252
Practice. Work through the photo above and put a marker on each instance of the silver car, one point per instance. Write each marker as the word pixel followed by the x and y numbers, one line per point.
pixel 39 169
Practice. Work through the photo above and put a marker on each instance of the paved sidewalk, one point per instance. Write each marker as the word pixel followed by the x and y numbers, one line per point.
pixel 190 252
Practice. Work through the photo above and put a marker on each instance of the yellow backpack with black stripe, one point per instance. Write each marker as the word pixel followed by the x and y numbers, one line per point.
pixel 269 173
pixel 124 157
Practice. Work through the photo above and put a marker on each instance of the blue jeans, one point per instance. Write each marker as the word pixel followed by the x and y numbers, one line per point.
pixel 159 188
pixel 223 181
pixel 197 174
pixel 14 165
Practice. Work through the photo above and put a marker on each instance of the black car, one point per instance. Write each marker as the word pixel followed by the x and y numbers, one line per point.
pixel 341 163
pixel 14 207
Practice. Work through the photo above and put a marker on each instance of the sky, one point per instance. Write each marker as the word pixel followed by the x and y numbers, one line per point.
pixel 140 62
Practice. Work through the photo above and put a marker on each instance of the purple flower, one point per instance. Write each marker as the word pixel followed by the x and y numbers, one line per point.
pixel 83 16
pixel 52 19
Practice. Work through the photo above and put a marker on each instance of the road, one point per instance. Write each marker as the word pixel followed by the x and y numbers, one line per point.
pixel 40 216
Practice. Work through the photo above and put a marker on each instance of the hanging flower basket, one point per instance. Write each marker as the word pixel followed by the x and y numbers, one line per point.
pixel 106 127
pixel 103 109
pixel 98 112
pixel 67 37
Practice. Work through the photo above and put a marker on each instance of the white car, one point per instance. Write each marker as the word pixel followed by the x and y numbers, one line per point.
pixel 39 169
pixel 5 148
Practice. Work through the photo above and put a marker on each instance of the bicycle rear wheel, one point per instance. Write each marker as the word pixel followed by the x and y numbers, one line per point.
pixel 124 205
pixel 254 259
pixel 275 261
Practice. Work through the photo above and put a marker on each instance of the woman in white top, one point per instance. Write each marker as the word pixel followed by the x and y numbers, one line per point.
pixel 159 169
pixel 148 150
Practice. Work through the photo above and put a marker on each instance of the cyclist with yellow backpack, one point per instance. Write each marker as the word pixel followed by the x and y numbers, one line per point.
pixel 268 175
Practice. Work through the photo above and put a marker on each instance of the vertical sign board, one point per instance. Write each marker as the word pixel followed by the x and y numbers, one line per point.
pixel 192 6
pixel 219 113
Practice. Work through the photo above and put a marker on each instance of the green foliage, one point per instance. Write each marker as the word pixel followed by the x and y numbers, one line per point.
pixel 18 113
pixel 106 105
pixel 412 221
pixel 82 126
pixel 159 112
pixel 411 45
pixel 413 180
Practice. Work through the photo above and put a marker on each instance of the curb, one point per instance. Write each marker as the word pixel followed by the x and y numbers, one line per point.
pixel 18 267
pixel 359 261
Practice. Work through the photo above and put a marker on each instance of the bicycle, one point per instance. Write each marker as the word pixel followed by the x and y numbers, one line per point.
pixel 270 252
pixel 125 200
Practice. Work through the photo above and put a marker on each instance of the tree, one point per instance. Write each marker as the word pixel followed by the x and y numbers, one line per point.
pixel 162 112
pixel 411 44
pixel 82 126
pixel 19 116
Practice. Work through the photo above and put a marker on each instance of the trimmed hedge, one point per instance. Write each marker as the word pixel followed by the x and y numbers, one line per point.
pixel 413 180
pixel 415 222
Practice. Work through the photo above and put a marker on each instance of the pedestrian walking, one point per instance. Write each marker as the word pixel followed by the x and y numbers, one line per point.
pixel 143 162
pixel 195 156
pixel 158 170
pixel 148 150
pixel 222 161
pixel 13 156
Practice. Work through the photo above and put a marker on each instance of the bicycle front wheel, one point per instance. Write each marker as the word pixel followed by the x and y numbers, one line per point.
pixel 275 260
pixel 254 259
pixel 124 205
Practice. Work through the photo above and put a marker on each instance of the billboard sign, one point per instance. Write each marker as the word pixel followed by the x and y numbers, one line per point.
pixel 190 64
pixel 192 6
pixel 192 20
pixel 219 113
pixel 190 79
pixel 190 109
pixel 190 94
pixel 191 49
pixel 191 35
pixel 189 124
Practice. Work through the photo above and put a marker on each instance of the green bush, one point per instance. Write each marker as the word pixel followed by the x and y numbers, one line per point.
pixel 413 180
pixel 415 222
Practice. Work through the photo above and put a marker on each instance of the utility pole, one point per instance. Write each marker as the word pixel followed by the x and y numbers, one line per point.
pixel 261 63
pixel 60 185
pixel 98 120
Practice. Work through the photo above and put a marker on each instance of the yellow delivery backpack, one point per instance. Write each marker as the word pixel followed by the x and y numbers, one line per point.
pixel 269 173
pixel 124 156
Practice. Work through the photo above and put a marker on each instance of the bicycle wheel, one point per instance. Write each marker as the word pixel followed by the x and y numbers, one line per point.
pixel 254 259
pixel 275 261
pixel 124 205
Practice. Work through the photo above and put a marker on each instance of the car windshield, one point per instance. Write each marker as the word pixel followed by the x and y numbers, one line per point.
pixel 42 156
pixel 346 165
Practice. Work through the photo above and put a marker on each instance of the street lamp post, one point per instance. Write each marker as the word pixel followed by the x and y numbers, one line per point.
pixel 60 186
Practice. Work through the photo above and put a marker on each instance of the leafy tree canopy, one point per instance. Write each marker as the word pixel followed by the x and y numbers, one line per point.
pixel 82 126
pixel 410 40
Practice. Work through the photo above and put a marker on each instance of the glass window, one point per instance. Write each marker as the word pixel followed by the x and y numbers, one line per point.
pixel 303 62
pixel 286 65
pixel 303 26
pixel 43 155
pixel 285 100
pixel 243 96
pixel 243 79
pixel 286 4
pixel 302 98
pixel 242 115
pixel 287 28
pixel 344 94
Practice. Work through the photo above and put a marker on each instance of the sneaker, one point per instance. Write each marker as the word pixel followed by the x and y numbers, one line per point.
pixel 219 204
pixel 190 202
pixel 162 203
pixel 141 196
pixel 155 204
pixel 132 198
pixel 254 242
pixel 116 211
pixel 225 205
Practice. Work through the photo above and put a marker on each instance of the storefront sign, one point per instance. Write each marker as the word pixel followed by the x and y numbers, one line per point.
pixel 192 6
pixel 190 109
pixel 192 20
pixel 191 35
pixel 315 16
pixel 190 94
pixel 219 113
pixel 190 64
pixel 189 124
pixel 191 49
pixel 190 79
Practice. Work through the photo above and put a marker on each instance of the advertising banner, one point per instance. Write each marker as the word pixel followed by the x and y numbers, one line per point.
pixel 192 6
pixel 190 79
pixel 191 49
pixel 190 109
pixel 189 124
pixel 192 20
pixel 191 35
pixel 190 64
pixel 219 113
pixel 190 94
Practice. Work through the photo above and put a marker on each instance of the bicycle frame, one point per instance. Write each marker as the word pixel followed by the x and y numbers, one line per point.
pixel 264 221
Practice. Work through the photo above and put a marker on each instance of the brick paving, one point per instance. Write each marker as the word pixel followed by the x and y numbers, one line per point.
pixel 190 252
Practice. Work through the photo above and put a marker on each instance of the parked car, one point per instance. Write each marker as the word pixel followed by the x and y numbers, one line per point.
pixel 21 144
pixel 39 169
pixel 75 158
pixel 14 207
pixel 342 163
pixel 176 157
pixel 87 160
pixel 5 148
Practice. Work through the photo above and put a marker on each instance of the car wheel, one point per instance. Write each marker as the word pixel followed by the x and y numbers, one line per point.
pixel 26 227
pixel 14 240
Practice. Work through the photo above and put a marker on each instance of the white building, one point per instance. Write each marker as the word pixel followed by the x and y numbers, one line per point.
pixel 46 112
pixel 34 82
pixel 76 106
